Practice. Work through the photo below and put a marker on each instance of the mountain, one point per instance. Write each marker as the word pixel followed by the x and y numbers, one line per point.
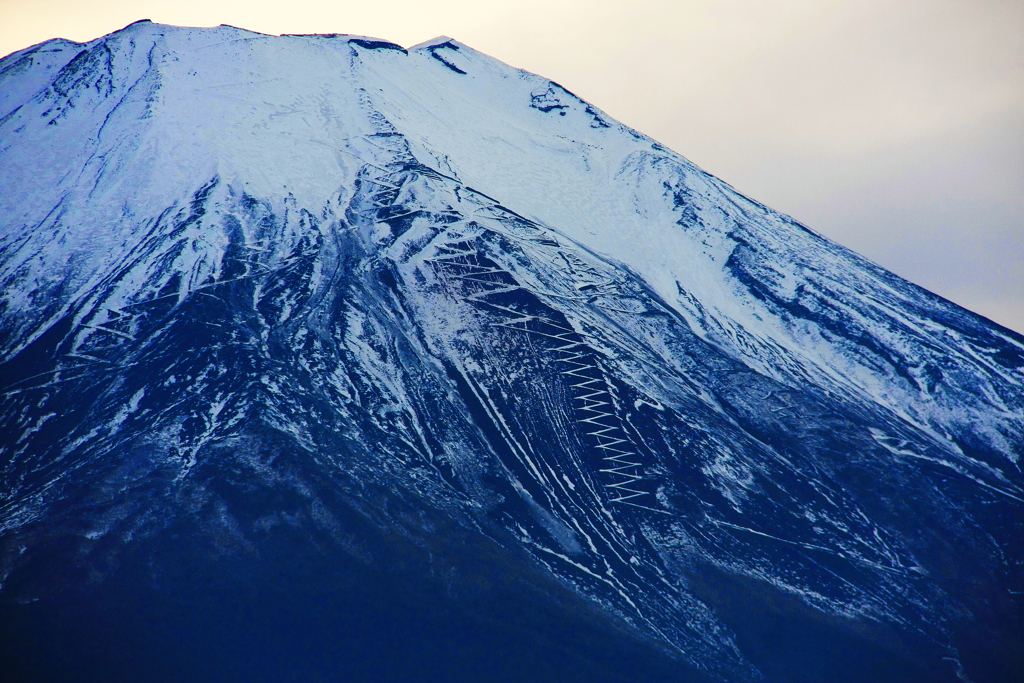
pixel 325 359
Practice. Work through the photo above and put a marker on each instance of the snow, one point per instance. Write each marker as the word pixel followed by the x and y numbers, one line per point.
pixel 161 165
pixel 224 103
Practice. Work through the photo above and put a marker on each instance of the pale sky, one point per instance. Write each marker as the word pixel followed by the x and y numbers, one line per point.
pixel 895 127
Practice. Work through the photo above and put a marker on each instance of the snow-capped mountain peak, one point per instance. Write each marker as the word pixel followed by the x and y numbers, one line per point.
pixel 419 285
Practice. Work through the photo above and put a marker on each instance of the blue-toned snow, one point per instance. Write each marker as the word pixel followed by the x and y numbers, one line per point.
pixel 483 279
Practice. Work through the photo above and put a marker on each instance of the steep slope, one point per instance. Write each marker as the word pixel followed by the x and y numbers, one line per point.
pixel 419 321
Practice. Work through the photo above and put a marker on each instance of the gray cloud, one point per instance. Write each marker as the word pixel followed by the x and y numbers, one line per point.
pixel 895 128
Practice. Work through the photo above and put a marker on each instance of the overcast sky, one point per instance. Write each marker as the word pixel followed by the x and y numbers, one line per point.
pixel 895 127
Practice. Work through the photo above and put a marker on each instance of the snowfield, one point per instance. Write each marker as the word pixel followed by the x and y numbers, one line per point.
pixel 385 280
